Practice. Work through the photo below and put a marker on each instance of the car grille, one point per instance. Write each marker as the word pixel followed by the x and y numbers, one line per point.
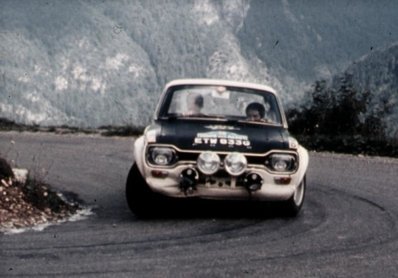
pixel 192 157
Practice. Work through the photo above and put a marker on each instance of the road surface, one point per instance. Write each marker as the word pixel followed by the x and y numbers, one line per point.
pixel 348 226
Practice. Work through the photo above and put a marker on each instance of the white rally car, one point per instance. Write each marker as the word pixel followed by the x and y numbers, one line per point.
pixel 217 139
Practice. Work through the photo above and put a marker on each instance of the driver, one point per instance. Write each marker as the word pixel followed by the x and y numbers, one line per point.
pixel 255 112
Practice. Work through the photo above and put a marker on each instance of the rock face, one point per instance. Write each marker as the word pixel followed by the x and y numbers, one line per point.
pixel 93 63
pixel 27 203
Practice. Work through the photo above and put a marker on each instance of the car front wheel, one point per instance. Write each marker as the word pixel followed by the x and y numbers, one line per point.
pixel 140 198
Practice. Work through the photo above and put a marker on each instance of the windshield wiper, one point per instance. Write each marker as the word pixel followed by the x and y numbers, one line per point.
pixel 175 116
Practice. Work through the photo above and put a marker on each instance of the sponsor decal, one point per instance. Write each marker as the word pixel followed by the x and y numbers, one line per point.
pixel 227 138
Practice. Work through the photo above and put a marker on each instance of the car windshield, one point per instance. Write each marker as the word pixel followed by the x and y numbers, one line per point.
pixel 230 103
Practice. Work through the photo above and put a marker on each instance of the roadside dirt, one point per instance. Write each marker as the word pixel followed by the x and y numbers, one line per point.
pixel 26 203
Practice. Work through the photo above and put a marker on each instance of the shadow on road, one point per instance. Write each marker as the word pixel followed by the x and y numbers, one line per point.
pixel 203 209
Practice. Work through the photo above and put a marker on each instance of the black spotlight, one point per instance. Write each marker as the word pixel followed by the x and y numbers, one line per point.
pixel 189 178
pixel 253 182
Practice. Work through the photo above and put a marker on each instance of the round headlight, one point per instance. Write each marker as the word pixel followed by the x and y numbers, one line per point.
pixel 162 156
pixel 283 162
pixel 235 164
pixel 208 163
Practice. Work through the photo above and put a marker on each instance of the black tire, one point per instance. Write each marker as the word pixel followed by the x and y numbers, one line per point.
pixel 293 206
pixel 141 200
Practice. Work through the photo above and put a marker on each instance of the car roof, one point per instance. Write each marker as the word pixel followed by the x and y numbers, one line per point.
pixel 220 82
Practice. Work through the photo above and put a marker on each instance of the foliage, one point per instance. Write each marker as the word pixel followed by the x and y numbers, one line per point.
pixel 41 196
pixel 121 130
pixel 341 120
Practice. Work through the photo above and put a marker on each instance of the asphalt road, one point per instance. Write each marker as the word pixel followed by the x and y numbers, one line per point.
pixel 348 227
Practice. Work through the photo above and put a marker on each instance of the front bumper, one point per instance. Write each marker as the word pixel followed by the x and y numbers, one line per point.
pixel 167 182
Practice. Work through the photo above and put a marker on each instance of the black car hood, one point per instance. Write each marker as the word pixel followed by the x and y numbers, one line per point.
pixel 221 136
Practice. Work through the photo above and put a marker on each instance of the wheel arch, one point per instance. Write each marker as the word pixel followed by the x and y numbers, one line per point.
pixel 139 155
pixel 304 161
